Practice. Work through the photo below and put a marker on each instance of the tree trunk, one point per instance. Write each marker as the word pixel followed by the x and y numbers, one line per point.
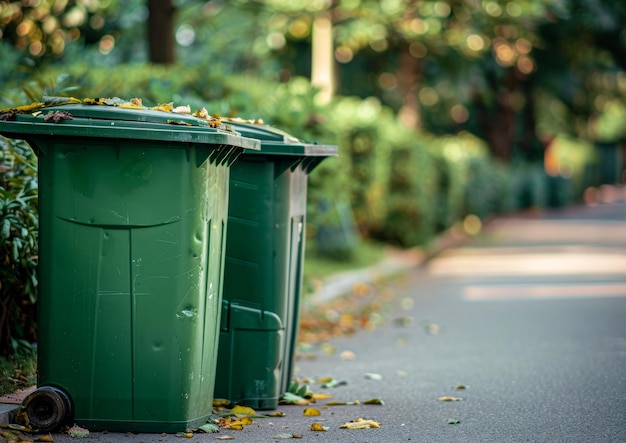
pixel 409 76
pixel 498 123
pixel 161 31
pixel 322 75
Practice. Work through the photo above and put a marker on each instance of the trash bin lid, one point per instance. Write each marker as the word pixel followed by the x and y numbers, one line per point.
pixel 277 142
pixel 103 121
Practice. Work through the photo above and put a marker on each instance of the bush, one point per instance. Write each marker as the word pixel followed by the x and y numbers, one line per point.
pixel 18 246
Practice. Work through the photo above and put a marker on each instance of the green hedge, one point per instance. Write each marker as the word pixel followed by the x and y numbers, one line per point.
pixel 18 246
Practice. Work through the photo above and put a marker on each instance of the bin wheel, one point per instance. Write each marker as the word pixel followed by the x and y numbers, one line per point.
pixel 47 408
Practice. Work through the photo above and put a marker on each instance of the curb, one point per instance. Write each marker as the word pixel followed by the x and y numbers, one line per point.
pixel 6 411
pixel 396 261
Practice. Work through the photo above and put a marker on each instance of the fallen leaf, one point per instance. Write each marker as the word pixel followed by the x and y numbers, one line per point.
pixel 374 401
pixel 311 411
pixel 225 437
pixel 77 432
pixel 289 398
pixel 334 383
pixel 242 410
pixel 319 427
pixel 404 322
pixel 49 100
pixel 322 396
pixel 460 387
pixel 220 402
pixel 184 434
pixel 347 355
pixel 360 423
pixel 209 428
pixel 343 403
pixel 449 399
pixel 286 436
pixel 277 414
pixel 430 328
pixel 45 438
pixel 371 376
pixel 453 421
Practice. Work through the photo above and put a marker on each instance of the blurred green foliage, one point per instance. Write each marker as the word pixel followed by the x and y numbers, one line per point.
pixel 443 108
pixel 18 246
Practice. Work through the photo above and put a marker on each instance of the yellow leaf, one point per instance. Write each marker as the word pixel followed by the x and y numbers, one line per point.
pixel 94 101
pixel 220 402
pixel 166 107
pixel 312 411
pixel 277 414
pixel 374 401
pixel 449 399
pixel 239 424
pixel 319 427
pixel 46 438
pixel 360 423
pixel 28 108
pixel 242 410
pixel 130 106
pixel 322 396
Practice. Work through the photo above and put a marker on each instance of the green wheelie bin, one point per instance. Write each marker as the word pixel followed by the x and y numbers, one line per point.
pixel 133 212
pixel 263 270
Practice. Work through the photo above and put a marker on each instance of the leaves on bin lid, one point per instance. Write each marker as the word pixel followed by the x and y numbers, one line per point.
pixel 25 109
pixel 57 116
pixel 49 100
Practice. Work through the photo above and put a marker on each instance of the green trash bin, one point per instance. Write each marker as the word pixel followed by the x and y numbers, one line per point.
pixel 133 211
pixel 263 270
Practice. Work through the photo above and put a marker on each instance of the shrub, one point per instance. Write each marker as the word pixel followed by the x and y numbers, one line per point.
pixel 18 246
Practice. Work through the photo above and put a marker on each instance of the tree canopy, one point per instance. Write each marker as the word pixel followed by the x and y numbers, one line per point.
pixel 514 72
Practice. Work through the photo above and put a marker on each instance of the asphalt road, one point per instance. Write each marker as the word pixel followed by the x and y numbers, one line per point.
pixel 530 317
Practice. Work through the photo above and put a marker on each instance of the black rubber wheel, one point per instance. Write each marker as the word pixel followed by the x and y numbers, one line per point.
pixel 47 408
